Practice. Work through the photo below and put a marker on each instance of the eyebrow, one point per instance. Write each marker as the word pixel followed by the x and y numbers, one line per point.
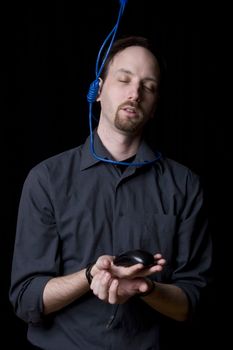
pixel 126 71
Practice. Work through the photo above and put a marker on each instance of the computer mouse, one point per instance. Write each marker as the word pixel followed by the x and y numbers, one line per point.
pixel 132 257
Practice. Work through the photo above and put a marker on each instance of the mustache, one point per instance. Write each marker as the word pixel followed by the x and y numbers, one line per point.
pixel 132 104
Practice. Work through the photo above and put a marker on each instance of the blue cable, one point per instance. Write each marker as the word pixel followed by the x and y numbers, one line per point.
pixel 94 87
pixel 93 92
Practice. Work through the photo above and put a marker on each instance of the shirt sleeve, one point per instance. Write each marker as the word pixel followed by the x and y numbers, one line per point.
pixel 35 258
pixel 194 245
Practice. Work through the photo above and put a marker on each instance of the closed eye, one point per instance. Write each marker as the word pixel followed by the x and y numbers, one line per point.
pixel 123 80
pixel 149 88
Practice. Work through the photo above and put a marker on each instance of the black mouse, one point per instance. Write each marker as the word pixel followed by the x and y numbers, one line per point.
pixel 132 257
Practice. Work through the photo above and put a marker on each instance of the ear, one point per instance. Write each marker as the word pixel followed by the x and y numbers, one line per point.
pixel 99 90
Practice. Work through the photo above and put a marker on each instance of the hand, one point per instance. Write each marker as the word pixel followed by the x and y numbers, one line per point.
pixel 117 291
pixel 116 284
pixel 105 262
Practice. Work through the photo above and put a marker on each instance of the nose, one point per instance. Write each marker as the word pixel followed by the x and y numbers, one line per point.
pixel 134 92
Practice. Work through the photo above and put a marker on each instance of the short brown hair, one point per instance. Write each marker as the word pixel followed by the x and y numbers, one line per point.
pixel 124 42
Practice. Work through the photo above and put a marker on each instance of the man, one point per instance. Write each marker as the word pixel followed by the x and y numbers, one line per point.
pixel 77 213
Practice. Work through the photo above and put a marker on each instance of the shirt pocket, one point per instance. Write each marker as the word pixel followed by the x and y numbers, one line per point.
pixel 160 237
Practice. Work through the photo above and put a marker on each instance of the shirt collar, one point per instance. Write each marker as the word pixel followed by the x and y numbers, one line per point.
pixel 144 154
pixel 87 159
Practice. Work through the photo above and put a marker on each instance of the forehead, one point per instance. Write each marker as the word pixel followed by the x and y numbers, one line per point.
pixel 136 59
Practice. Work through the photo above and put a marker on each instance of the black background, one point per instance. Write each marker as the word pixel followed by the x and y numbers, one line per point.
pixel 49 51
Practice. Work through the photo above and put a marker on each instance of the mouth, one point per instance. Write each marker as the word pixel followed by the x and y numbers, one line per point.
pixel 129 110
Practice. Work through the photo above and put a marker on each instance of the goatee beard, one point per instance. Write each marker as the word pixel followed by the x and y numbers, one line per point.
pixel 129 125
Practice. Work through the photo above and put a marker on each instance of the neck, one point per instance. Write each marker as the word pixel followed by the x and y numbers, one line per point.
pixel 120 145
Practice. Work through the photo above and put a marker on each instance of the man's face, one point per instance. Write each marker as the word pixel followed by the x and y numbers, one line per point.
pixel 129 93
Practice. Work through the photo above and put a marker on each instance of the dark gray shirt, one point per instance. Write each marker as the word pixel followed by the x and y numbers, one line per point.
pixel 75 208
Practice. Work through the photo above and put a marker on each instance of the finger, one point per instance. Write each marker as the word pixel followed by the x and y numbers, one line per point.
pixel 112 292
pixel 95 282
pixel 158 256
pixel 155 268
pixel 143 287
pixel 126 272
pixel 100 285
pixel 159 259
pixel 149 271
pixel 104 283
pixel 104 262
pixel 162 261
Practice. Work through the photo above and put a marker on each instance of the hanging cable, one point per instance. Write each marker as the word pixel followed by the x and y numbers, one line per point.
pixel 94 89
